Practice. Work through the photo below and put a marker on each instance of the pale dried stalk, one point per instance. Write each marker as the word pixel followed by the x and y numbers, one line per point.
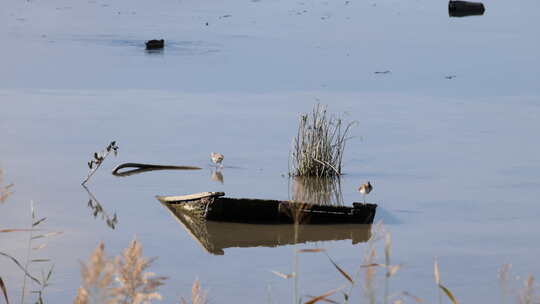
pixel 136 285
pixel 97 277
pixel 504 274
pixel 5 191
pixel 526 295
pixel 369 275
pixel 119 281
pixel 198 295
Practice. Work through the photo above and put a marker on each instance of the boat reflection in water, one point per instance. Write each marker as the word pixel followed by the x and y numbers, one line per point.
pixel 317 190
pixel 214 236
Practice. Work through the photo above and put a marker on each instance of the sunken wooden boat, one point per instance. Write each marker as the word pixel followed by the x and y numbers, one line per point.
pixel 214 237
pixel 214 206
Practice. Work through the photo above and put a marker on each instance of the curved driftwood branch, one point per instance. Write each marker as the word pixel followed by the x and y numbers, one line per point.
pixel 140 168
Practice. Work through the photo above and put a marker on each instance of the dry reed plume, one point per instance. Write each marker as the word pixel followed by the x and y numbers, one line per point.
pixel 198 295
pixel 97 279
pixel 123 280
pixel 319 145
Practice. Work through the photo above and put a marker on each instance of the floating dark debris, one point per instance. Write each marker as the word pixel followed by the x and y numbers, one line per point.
pixel 465 8
pixel 214 206
pixel 155 44
pixel 135 168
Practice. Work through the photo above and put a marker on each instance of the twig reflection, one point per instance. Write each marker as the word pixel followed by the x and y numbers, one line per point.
pixel 97 210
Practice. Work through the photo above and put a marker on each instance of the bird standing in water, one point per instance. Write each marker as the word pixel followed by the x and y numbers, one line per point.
pixel 365 189
pixel 217 158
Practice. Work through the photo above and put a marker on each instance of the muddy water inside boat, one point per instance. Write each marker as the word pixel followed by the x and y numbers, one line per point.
pixel 447 136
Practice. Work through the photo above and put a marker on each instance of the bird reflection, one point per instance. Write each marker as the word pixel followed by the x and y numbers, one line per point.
pixel 217 176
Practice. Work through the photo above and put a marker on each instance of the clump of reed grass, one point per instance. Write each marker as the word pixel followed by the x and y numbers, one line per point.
pixel 98 158
pixel 123 280
pixel 319 144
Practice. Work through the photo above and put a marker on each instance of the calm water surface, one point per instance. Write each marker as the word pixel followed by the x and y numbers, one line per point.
pixel 454 162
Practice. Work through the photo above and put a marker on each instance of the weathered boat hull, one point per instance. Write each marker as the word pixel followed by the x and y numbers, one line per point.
pixel 213 206
pixel 215 237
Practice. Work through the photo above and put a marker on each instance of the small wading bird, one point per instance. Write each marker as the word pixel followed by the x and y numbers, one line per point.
pixel 217 158
pixel 365 189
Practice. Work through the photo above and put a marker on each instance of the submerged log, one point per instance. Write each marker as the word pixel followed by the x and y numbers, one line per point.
pixel 213 206
pixel 155 44
pixel 215 237
pixel 136 168
pixel 465 8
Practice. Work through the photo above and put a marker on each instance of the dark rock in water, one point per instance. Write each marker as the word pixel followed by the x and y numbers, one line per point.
pixel 465 8
pixel 155 44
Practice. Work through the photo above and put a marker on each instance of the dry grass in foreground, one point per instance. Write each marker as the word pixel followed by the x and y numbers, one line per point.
pixel 319 145
pixel 124 279
pixel 37 284
pixel 367 277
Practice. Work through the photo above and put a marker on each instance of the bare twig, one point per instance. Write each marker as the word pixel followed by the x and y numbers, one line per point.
pixel 98 159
